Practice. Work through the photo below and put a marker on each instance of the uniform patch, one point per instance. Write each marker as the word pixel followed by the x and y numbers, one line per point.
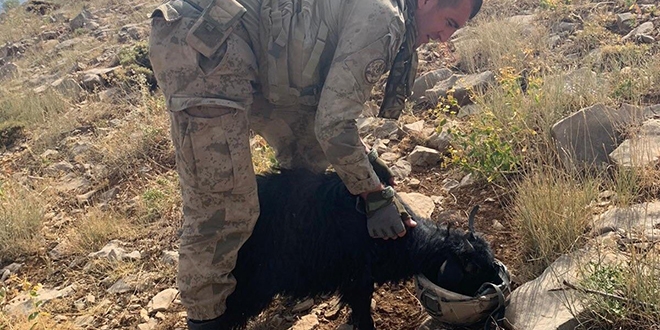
pixel 374 70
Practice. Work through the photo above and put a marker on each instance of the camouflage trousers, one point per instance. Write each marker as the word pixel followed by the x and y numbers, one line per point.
pixel 220 204
pixel 218 187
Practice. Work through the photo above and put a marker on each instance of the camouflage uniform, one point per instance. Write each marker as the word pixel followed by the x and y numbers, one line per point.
pixel 298 72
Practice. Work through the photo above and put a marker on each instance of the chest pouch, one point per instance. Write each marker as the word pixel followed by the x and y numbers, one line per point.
pixel 214 26
pixel 293 38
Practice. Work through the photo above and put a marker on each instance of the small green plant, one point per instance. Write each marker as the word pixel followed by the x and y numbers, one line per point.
pixel 483 150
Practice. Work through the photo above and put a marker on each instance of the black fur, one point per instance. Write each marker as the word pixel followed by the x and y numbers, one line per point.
pixel 310 240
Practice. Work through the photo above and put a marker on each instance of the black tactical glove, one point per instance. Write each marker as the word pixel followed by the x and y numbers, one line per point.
pixel 385 214
pixel 384 173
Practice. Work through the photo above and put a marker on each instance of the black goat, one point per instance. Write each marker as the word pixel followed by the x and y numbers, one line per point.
pixel 311 239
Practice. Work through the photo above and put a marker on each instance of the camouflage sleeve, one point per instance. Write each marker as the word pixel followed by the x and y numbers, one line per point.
pixel 368 40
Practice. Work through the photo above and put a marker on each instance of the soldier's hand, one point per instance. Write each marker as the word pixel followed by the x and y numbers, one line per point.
pixel 384 173
pixel 386 215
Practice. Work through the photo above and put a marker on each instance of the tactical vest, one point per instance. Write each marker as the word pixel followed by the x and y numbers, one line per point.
pixel 292 40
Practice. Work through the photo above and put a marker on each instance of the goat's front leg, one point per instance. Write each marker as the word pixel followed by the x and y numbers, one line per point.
pixel 359 299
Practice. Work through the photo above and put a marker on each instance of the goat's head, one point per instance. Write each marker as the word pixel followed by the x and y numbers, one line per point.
pixel 467 261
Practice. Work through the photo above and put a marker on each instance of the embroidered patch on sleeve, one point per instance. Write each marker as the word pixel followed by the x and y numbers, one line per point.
pixel 374 70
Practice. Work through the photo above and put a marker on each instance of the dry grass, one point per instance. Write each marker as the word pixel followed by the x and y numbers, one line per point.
pixel 21 214
pixel 549 212
pixel 497 43
pixel 95 229
pixel 43 321
pixel 20 24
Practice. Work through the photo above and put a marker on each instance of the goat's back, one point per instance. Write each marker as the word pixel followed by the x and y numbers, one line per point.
pixel 308 231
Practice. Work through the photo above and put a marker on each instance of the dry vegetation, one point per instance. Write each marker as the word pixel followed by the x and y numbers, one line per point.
pixel 119 144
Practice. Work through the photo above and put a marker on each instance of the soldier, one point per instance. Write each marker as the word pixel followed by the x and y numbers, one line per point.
pixel 297 72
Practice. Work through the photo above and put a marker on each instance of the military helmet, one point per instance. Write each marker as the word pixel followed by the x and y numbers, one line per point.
pixel 457 309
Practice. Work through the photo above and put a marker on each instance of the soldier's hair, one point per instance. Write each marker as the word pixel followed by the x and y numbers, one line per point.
pixel 476 5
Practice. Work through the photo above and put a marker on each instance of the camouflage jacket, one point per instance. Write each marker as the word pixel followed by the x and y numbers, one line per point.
pixel 326 54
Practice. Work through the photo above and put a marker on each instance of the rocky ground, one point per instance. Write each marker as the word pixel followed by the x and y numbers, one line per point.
pixel 99 166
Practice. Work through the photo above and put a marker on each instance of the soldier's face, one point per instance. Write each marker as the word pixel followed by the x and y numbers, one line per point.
pixel 435 22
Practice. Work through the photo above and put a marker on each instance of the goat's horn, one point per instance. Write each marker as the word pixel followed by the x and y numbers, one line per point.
pixel 469 246
pixel 473 213
pixel 442 268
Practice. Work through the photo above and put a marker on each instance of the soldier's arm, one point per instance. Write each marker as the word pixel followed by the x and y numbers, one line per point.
pixel 368 41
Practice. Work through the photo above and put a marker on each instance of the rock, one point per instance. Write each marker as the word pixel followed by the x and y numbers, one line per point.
pixel 644 28
pixel 67 44
pixel 68 87
pixel 83 321
pixel 645 39
pixel 601 126
pixel 466 181
pixel 420 205
pixel 521 19
pixel 425 157
pixel 150 325
pixel 427 81
pixel 13 267
pixel 643 218
pixel 130 32
pixel 335 307
pixel 366 124
pixel 161 302
pixel 24 304
pixel 414 183
pixel 121 286
pixel 62 166
pixel 304 305
pixel 71 183
pixel 461 87
pixel 389 157
pixel 553 40
pixel 417 126
pixel 113 251
pixel 109 194
pixel 91 82
pixel 4 275
pixel 80 20
pixel 170 257
pixel 538 305
pixel 401 168
pixel 48 35
pixel 389 129
pixel 449 184
pixel 439 141
pixel 307 322
pixel 497 225
pixel 566 27
pixel 80 147
pixel 8 71
pixel 625 21
pixel 641 150
pixel 86 197
pixel 58 252
pixel 441 89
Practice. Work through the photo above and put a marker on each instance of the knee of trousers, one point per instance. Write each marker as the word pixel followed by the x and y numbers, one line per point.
pixel 209 243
